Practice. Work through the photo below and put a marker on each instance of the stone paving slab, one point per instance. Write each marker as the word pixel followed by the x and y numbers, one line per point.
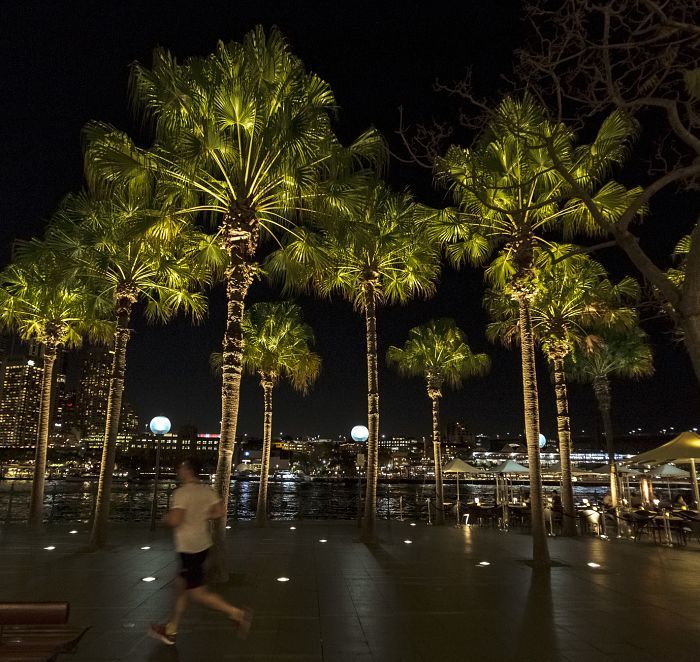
pixel 395 602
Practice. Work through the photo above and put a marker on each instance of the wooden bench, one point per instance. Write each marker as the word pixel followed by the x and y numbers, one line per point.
pixel 36 631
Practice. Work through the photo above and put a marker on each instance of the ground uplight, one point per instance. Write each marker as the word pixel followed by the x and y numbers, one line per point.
pixel 323 540
pixel 228 526
pixel 148 579
pixel 145 547
pixel 413 523
pixel 292 528
pixel 484 563
pixel 408 542
pixel 593 565
pixel 73 531
pixel 283 579
pixel 50 548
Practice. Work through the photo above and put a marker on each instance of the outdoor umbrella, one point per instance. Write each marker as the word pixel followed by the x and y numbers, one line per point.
pixel 458 466
pixel 668 471
pixel 684 449
pixel 508 467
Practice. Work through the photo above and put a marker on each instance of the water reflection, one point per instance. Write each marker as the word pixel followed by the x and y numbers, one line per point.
pixel 287 500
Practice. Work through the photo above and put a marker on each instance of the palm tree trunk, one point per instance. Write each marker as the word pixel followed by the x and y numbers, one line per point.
pixel 36 505
pixel 369 520
pixel 564 433
pixel 601 388
pixel 437 456
pixel 261 515
pixel 239 277
pixel 540 552
pixel 98 535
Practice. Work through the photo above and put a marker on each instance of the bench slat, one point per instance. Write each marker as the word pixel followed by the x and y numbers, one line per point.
pixel 34 613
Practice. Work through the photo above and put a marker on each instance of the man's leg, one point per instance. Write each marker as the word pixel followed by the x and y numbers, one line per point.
pixel 179 609
pixel 214 601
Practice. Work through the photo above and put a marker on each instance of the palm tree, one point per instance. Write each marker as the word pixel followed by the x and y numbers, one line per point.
pixel 373 256
pixel 242 137
pixel 43 301
pixel 573 297
pixel 509 196
pixel 438 351
pixel 128 253
pixel 620 354
pixel 277 346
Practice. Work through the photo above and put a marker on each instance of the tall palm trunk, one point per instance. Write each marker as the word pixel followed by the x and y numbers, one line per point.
pixel 369 520
pixel 564 433
pixel 261 515
pixel 239 276
pixel 36 506
pixel 601 388
pixel 540 552
pixel 98 535
pixel 434 393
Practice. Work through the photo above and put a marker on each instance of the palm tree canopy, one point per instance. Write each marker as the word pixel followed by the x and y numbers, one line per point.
pixel 573 299
pixel 509 194
pixel 380 245
pixel 439 352
pixel 624 354
pixel 242 135
pixel 124 248
pixel 278 344
pixel 41 300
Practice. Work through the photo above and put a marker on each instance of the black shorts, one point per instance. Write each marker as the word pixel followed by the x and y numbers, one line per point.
pixel 193 568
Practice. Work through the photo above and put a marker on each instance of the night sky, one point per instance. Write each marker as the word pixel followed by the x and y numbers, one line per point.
pixel 64 63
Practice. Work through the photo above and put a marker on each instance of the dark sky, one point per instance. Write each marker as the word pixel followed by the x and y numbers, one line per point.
pixel 64 63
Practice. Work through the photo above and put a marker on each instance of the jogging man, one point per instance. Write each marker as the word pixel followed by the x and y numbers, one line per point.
pixel 193 505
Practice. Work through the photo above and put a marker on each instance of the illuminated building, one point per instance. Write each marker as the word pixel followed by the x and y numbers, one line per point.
pixel 19 403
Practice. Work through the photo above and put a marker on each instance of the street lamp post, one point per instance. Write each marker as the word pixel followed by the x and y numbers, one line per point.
pixel 159 426
pixel 359 434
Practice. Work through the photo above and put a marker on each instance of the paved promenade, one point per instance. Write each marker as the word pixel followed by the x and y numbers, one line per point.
pixel 427 600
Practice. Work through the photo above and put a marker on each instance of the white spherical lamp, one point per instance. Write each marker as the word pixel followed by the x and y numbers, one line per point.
pixel 543 441
pixel 159 425
pixel 359 433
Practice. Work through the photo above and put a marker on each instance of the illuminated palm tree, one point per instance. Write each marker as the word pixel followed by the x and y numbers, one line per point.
pixel 510 197
pixel 277 346
pixel 573 298
pixel 375 255
pixel 438 351
pixel 129 253
pixel 43 301
pixel 242 137
pixel 619 354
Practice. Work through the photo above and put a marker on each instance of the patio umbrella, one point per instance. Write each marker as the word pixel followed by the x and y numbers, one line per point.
pixel 458 466
pixel 684 449
pixel 506 468
pixel 669 471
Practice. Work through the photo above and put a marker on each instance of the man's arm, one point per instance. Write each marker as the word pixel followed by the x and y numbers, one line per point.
pixel 174 517
pixel 217 510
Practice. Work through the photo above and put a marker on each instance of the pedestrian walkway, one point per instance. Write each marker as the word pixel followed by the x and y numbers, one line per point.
pixel 423 594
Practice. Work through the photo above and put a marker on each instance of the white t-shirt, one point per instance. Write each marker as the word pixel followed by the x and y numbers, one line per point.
pixel 193 535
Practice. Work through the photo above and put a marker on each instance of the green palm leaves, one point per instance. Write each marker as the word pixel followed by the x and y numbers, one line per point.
pixel 277 345
pixel 438 351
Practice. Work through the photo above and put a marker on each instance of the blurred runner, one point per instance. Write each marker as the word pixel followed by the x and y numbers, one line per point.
pixel 192 507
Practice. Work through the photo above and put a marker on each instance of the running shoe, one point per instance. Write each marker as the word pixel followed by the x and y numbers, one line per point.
pixel 159 632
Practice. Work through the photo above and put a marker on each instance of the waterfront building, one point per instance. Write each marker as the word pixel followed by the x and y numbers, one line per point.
pixel 19 402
